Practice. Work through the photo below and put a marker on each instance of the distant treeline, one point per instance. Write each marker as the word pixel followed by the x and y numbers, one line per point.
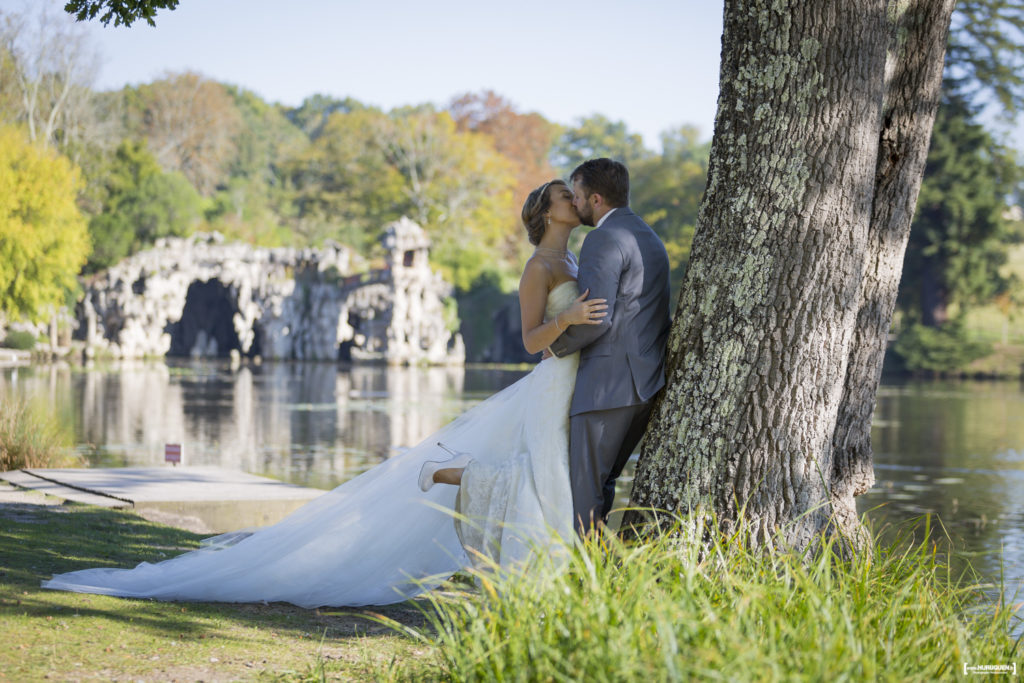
pixel 186 153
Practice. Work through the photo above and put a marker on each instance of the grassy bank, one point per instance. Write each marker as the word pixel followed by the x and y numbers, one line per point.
pixel 1002 327
pixel 641 612
pixel 67 636
pixel 660 611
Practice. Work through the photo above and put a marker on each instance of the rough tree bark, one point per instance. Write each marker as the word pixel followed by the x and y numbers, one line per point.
pixel 775 339
pixel 919 32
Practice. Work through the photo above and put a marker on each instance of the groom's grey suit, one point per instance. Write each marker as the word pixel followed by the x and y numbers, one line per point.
pixel 621 360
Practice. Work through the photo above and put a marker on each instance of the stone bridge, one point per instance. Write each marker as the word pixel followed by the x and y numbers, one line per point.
pixel 202 297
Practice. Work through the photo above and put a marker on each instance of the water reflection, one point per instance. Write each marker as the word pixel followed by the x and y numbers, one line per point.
pixel 953 449
pixel 304 423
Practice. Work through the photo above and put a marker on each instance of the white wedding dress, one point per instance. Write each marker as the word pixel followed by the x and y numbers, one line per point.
pixel 378 539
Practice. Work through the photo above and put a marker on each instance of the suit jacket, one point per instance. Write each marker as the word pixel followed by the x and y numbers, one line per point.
pixel 622 360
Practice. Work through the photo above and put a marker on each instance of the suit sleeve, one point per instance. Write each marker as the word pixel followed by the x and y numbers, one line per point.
pixel 601 265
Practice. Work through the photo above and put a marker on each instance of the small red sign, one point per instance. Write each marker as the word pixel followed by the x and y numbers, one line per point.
pixel 172 453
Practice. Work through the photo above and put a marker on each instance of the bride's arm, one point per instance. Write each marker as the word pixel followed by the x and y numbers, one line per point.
pixel 533 298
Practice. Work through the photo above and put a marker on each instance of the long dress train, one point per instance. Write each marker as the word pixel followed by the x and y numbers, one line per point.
pixel 377 539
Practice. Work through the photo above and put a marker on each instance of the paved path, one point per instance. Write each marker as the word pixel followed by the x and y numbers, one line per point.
pixel 202 499
pixel 12 495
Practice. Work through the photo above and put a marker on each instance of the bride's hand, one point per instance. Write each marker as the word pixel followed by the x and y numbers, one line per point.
pixel 584 312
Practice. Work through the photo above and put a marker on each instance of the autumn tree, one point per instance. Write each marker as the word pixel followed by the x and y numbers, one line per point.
pixel 43 238
pixel 458 187
pixel 190 124
pixel 524 140
pixel 341 185
pixel 775 353
pixel 251 202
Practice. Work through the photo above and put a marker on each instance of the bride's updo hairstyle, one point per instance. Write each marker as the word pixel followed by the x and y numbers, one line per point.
pixel 537 203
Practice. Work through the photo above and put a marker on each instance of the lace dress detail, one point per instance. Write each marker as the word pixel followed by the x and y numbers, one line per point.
pixel 518 499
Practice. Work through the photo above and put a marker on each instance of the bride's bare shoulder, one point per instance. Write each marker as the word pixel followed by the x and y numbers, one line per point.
pixel 536 271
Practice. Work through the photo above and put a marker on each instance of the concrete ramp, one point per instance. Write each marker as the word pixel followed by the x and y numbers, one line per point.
pixel 202 499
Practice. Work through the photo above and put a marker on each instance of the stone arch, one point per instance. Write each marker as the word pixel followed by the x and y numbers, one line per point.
pixel 206 327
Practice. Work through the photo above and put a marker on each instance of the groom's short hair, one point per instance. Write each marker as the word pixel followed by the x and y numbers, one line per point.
pixel 606 177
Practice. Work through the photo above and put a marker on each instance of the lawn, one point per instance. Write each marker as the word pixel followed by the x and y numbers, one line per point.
pixel 68 636
pixel 711 609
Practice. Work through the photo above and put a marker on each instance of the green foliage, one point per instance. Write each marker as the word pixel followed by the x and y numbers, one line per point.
pixel 312 115
pixel 487 294
pixel 957 240
pixel 31 436
pixel 451 314
pixel 123 12
pixel 267 135
pixel 251 203
pixel 20 340
pixel 943 350
pixel 985 56
pixel 141 204
pixel 456 185
pixel 666 190
pixel 597 136
pixel 43 236
pixel 340 186
pixel 682 609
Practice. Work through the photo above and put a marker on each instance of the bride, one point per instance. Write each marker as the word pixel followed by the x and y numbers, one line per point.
pixel 388 534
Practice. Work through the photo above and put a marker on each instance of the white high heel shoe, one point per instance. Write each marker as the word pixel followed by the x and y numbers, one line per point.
pixel 458 460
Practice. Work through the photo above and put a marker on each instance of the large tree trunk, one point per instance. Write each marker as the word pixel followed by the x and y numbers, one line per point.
pixel 919 32
pixel 759 359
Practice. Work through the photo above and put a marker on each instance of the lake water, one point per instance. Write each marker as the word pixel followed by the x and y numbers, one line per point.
pixel 952 449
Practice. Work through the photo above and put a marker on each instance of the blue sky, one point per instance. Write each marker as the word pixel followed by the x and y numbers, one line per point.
pixel 650 63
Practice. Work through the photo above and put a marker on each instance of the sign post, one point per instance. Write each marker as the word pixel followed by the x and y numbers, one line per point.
pixel 172 453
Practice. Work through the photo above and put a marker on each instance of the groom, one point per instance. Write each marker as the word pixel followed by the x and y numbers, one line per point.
pixel 622 359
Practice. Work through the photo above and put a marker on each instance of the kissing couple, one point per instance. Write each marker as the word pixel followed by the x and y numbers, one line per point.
pixel 534 464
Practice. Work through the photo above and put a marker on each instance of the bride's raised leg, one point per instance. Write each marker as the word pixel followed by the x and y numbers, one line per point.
pixel 444 471
pixel 449 475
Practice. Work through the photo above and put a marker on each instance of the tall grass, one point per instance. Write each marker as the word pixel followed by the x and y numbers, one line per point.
pixel 672 609
pixel 31 436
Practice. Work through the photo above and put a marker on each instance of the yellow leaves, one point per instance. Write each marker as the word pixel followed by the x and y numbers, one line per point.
pixel 459 188
pixel 43 236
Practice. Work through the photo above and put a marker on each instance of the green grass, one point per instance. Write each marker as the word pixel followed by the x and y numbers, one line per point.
pixel 651 611
pixel 73 636
pixel 32 436
pixel 662 610
pixel 1001 327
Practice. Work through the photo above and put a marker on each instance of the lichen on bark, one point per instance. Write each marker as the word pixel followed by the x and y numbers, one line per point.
pixel 760 352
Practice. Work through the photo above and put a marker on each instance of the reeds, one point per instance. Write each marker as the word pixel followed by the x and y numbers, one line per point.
pixel 30 436
pixel 700 605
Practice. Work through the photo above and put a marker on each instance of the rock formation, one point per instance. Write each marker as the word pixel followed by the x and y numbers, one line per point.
pixel 202 297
